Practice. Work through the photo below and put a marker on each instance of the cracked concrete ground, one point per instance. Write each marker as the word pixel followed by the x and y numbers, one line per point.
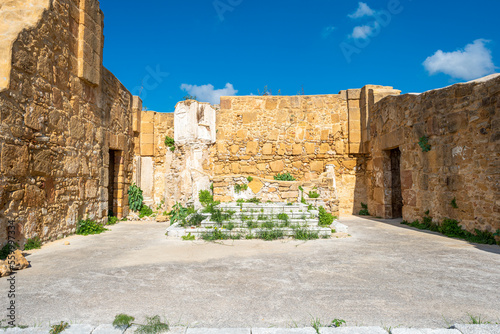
pixel 386 274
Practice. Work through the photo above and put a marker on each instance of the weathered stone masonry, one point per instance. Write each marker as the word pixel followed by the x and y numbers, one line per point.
pixel 72 138
pixel 62 115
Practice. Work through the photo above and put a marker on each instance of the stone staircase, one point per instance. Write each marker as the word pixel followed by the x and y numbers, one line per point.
pixel 253 218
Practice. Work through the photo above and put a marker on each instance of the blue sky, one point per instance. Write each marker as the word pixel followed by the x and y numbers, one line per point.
pixel 237 47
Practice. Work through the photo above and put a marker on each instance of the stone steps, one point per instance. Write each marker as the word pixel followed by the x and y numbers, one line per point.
pixel 244 213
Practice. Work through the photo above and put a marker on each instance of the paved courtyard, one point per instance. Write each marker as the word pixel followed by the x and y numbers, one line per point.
pixel 386 274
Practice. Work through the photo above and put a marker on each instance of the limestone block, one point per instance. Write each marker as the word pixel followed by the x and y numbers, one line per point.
pixel 14 160
pixel 235 168
pixel 317 166
pixel 249 169
pixel 147 150
pixel 252 147
pixel 296 149
pixel 271 103
pixel 267 149
pixel 310 147
pixel 225 102
pixel 249 117
pixel 242 134
pixel 325 134
pixel 277 166
pixel 290 194
pixel 256 185
pixel 324 148
pixel 35 117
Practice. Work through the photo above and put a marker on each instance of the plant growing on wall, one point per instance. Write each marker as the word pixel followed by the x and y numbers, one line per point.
pixel 284 177
pixel 240 187
pixel 190 97
pixel 454 204
pixel 313 194
pixel 135 197
pixel 424 144
pixel 170 143
pixel 364 210
pixel 205 197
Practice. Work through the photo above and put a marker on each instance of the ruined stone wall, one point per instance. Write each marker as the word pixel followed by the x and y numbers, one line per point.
pixel 462 123
pixel 279 191
pixel 265 135
pixel 60 115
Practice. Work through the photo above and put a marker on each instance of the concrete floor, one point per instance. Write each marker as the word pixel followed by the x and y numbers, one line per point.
pixel 386 274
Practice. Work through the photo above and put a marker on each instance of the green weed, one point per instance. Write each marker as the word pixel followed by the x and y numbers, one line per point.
pixel 33 243
pixel 87 227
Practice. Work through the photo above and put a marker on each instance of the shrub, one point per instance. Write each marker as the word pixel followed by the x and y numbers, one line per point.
pixel 424 144
pixel 112 220
pixel 178 214
pixel 364 211
pixel 240 187
pixel 33 243
pixel 7 249
pixel 170 143
pixel 454 204
pixel 87 227
pixel 249 179
pixel 195 219
pixel 284 177
pixel 146 211
pixel 268 224
pixel 153 325
pixel 269 235
pixel 205 197
pixel 56 329
pixel 283 216
pixel 313 194
pixel 325 218
pixel 135 197
pixel 188 237
pixel 123 321
pixel 451 228
pixel 305 234
pixel 253 200
pixel 216 234
pixel 189 97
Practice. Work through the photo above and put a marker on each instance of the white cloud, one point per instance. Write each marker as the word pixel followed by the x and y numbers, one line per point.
pixel 363 10
pixel 471 63
pixel 363 32
pixel 328 31
pixel 207 93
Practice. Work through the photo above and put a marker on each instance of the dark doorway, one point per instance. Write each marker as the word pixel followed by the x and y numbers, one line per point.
pixel 396 193
pixel 111 184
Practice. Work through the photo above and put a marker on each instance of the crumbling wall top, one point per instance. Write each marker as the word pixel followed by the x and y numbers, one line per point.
pixel 15 16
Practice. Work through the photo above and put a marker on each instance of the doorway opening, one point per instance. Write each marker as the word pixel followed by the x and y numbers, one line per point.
pixel 396 193
pixel 114 169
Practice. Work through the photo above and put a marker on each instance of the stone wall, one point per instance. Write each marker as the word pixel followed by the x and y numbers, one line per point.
pixel 61 114
pixel 462 123
pixel 279 191
pixel 152 160
pixel 265 135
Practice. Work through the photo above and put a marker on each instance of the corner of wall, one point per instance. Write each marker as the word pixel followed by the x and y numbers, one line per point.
pixel 14 18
